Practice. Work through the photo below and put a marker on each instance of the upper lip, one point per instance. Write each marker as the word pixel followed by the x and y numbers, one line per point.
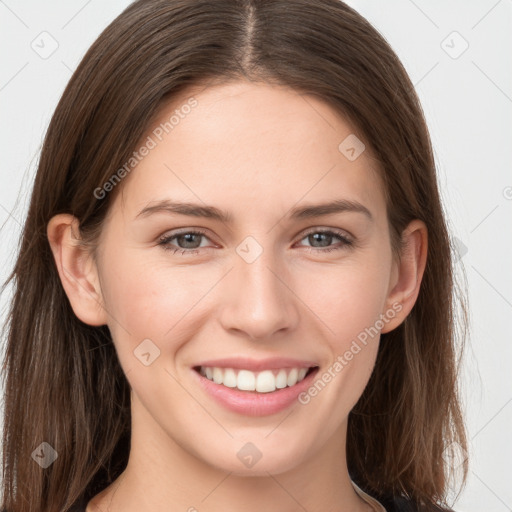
pixel 244 363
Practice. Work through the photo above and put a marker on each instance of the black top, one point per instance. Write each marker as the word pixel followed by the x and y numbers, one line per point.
pixel 405 505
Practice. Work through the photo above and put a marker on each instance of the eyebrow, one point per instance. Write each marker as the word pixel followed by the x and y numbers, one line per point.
pixel 211 212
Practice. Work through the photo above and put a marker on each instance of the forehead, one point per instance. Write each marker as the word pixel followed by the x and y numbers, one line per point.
pixel 255 145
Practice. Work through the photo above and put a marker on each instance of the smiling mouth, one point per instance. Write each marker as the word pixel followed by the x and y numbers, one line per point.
pixel 266 381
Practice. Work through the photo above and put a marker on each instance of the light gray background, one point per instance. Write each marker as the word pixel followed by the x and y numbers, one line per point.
pixel 467 100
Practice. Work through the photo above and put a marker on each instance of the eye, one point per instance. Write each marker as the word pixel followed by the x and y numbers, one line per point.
pixel 187 240
pixel 325 238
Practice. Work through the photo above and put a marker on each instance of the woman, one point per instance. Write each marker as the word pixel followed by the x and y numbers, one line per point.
pixel 177 338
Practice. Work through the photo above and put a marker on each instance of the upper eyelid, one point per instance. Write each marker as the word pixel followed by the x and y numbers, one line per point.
pixel 334 231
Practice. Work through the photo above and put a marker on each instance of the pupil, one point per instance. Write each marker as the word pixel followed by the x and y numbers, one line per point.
pixel 188 239
pixel 316 236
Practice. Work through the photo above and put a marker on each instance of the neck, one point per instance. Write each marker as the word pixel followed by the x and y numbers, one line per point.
pixel 162 474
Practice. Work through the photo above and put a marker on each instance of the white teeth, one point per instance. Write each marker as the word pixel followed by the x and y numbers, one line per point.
pixel 230 378
pixel 302 373
pixel 265 382
pixel 262 382
pixel 217 376
pixel 281 379
pixel 292 377
pixel 246 380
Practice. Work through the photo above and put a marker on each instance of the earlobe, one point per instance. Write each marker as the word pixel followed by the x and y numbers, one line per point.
pixel 77 269
pixel 408 273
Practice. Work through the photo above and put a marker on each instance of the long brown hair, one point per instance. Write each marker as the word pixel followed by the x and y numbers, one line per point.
pixel 63 382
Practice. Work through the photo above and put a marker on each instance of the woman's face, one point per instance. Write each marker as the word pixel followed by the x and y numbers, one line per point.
pixel 260 284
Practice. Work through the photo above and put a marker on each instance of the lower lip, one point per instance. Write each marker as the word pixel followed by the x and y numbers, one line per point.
pixel 251 403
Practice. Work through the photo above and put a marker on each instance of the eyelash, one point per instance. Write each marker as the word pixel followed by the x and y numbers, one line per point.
pixel 164 241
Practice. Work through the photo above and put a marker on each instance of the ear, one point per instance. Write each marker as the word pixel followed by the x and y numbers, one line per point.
pixel 407 274
pixel 77 269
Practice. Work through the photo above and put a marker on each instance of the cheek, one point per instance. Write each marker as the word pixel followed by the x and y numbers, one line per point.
pixel 157 301
pixel 346 298
pixel 349 315
pixel 349 308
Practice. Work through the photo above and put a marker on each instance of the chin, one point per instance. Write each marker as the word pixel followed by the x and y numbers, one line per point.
pixel 249 461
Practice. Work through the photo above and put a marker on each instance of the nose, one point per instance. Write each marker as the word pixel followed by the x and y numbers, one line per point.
pixel 258 298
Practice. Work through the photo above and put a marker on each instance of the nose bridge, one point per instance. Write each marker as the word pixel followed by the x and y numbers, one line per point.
pixel 259 303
